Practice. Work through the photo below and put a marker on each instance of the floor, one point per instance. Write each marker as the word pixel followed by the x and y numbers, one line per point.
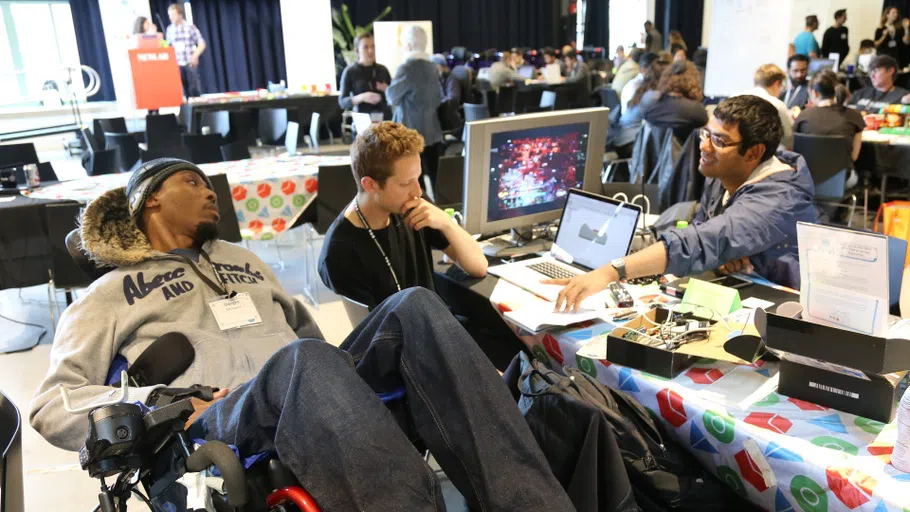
pixel 53 477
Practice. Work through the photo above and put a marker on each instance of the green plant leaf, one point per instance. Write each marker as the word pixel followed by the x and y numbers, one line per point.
pixel 337 19
pixel 340 39
pixel 347 20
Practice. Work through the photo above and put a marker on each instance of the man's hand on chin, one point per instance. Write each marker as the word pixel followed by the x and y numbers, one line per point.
pixel 420 214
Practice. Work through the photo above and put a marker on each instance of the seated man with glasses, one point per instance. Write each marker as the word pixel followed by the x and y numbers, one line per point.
pixel 748 213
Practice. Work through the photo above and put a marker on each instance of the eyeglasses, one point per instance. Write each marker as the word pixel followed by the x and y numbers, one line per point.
pixel 716 140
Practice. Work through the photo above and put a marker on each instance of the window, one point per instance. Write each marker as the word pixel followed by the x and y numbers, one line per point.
pixel 627 20
pixel 37 41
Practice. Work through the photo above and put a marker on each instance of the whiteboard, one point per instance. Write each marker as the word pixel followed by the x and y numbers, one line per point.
pixel 390 49
pixel 744 35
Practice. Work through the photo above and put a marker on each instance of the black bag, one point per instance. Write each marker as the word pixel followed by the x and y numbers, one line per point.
pixel 663 475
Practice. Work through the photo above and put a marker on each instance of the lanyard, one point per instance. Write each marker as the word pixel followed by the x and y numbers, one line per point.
pixel 787 97
pixel 221 287
pixel 373 236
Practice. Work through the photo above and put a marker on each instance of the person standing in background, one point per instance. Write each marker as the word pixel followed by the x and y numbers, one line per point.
pixel 364 82
pixel 889 37
pixel 805 43
pixel 188 47
pixel 652 39
pixel 835 39
pixel 416 95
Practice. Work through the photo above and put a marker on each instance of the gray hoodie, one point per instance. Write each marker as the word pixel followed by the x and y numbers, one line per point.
pixel 148 294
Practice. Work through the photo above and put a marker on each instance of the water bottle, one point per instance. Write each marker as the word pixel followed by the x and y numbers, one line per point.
pixel 900 458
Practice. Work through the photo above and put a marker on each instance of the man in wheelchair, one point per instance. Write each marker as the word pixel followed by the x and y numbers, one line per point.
pixel 285 390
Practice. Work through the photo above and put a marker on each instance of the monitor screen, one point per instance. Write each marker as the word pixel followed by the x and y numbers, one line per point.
pixel 817 65
pixel 532 170
pixel 596 230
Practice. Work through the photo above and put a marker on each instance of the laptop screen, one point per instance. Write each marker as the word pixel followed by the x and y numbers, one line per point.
pixel 595 230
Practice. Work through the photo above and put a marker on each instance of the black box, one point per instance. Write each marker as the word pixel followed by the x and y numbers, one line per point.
pixel 837 368
pixel 654 360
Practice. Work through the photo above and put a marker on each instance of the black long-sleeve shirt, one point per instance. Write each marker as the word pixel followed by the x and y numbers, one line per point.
pixel 835 41
pixel 357 79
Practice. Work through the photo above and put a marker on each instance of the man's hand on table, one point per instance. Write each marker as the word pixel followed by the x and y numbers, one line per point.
pixel 579 288
pixel 743 264
pixel 200 406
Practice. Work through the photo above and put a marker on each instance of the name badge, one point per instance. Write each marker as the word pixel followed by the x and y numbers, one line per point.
pixel 179 46
pixel 843 36
pixel 892 44
pixel 235 312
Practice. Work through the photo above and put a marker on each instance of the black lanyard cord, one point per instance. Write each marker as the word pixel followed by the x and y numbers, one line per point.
pixel 375 241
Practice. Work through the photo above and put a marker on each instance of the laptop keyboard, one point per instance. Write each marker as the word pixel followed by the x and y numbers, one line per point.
pixel 552 270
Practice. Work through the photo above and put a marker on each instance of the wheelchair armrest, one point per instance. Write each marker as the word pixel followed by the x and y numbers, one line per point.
pixel 219 454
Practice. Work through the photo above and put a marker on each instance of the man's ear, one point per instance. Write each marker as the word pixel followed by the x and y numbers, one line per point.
pixel 369 185
pixel 755 153
pixel 152 201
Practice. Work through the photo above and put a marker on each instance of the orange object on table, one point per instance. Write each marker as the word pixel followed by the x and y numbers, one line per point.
pixel 156 78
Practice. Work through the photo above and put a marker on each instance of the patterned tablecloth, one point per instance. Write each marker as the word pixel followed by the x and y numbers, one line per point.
pixel 268 193
pixel 781 453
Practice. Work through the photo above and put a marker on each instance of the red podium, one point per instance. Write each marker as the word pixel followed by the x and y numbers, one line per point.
pixel 156 78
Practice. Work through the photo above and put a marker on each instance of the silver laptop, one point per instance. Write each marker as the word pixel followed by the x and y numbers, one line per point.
pixel 593 231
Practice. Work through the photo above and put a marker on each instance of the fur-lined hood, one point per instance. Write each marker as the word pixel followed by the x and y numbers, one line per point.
pixel 110 237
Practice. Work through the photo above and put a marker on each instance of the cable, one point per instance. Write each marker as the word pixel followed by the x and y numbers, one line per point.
pixel 142 497
pixel 40 336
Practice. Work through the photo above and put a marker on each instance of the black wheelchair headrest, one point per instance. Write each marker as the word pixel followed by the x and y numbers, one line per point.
pixel 74 248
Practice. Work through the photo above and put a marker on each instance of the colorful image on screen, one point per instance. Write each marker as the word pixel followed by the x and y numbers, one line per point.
pixel 532 170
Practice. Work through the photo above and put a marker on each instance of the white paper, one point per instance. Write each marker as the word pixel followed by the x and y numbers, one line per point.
pixel 756 303
pixel 844 278
pixel 238 311
pixel 536 319
pixel 739 388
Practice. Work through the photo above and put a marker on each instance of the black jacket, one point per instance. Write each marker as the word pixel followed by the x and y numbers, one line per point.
pixel 659 157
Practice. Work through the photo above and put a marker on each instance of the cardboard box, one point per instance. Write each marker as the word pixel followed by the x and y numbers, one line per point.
pixel 832 367
pixel 654 360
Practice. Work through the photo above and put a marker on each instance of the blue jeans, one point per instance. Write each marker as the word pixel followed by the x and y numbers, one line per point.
pixel 189 77
pixel 316 406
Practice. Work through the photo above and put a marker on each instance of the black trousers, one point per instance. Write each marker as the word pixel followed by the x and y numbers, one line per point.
pixel 189 76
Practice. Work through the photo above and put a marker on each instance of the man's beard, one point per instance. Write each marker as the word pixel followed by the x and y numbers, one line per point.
pixel 205 231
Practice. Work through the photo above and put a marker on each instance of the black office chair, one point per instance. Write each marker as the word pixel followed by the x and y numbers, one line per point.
pixel 204 149
pixel 527 100
pixel 89 143
pixel 11 476
pixel 450 182
pixel 829 159
pixel 505 101
pixel 475 112
pixel 96 163
pixel 162 131
pixel 154 153
pixel 46 173
pixel 66 275
pixel 113 125
pixel 228 227
pixel 609 98
pixel 491 100
pixel 129 149
pixel 243 126
pixel 23 153
pixel 237 150
pixel 98 133
pixel 218 122
pixel 273 122
pixel 336 190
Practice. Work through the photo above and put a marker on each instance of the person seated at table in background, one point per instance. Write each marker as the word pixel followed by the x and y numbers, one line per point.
pixel 629 70
pixel 678 52
pixel 796 94
pixel 748 213
pixel 836 38
pixel 451 86
pixel 882 92
pixel 678 105
pixel 416 96
pixel 674 37
pixel 501 73
pixel 827 116
pixel 577 72
pixel 629 89
pixel 363 83
pixel 284 390
pixel 769 80
pixel 865 55
pixel 631 119
pixel 805 43
pixel 518 59
pixel 562 54
pixel 381 243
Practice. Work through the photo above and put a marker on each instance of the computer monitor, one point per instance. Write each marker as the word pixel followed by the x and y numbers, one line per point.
pixel 519 169
pixel 817 65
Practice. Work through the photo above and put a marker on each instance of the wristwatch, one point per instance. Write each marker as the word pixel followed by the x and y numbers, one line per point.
pixel 620 265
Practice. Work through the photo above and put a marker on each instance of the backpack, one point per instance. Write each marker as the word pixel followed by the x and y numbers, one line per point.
pixel 664 476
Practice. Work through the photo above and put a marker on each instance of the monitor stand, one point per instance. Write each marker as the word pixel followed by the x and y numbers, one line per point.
pixel 519 242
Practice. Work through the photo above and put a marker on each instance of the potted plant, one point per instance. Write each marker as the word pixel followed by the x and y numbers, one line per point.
pixel 344 32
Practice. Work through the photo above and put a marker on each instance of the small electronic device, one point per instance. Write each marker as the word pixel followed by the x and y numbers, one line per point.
pixel 620 295
pixel 732 282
